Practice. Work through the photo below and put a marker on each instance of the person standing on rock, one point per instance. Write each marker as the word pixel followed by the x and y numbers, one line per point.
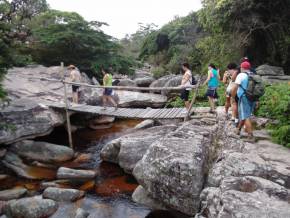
pixel 245 106
pixel 212 81
pixel 229 79
pixel 186 81
pixel 75 77
pixel 108 92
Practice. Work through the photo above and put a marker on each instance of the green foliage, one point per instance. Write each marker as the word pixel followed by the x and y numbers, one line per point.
pixel 158 72
pixel 275 104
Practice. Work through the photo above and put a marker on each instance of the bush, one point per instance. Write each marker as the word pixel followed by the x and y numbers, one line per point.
pixel 158 72
pixel 275 104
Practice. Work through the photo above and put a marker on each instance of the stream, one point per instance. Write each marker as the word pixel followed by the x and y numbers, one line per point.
pixel 107 196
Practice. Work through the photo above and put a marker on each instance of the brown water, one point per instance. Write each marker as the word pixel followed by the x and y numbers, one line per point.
pixel 109 195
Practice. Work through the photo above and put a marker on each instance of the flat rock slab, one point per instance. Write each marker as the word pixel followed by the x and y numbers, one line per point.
pixel 11 194
pixel 72 174
pixel 35 207
pixel 145 124
pixel 246 197
pixel 81 213
pixel 42 151
pixel 60 194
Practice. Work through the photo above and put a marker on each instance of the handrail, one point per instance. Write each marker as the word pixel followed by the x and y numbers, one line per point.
pixel 118 87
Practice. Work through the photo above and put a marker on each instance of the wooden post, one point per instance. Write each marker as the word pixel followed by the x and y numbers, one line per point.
pixel 66 108
pixel 186 118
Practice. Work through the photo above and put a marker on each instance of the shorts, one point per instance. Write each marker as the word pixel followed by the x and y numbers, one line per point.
pixel 75 88
pixel 212 93
pixel 184 95
pixel 229 90
pixel 246 108
pixel 108 92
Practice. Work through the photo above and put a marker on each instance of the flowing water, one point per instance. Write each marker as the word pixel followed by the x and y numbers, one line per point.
pixel 107 196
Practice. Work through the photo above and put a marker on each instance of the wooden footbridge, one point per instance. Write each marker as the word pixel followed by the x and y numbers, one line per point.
pixel 148 113
pixel 132 113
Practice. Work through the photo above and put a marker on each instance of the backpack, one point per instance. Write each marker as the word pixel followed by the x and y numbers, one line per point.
pixel 193 81
pixel 255 89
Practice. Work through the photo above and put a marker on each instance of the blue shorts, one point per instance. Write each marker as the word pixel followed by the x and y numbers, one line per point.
pixel 246 108
pixel 108 92
pixel 211 92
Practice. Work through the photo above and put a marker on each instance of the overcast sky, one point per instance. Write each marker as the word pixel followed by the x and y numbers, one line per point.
pixel 123 16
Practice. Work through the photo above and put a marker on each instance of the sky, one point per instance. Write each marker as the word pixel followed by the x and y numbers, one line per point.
pixel 123 16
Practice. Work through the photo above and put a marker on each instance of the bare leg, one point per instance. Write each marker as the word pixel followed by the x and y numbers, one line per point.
pixel 235 109
pixel 110 99
pixel 249 127
pixel 187 104
pixel 75 97
pixel 211 103
pixel 228 104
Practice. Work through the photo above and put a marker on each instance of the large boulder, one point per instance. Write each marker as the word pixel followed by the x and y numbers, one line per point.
pixel 174 168
pixel 272 74
pixel 173 82
pixel 42 151
pixel 144 81
pixel 246 197
pixel 26 118
pixel 127 82
pixel 129 149
pixel 141 73
pixel 35 207
pixel 72 174
pixel 61 194
pixel 161 82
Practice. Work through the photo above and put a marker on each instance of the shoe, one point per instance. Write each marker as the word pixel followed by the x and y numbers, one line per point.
pixel 237 131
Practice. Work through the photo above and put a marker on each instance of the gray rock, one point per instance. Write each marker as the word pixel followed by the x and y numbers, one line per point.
pixel 35 207
pixel 60 194
pixel 129 149
pixel 173 170
pixel 144 81
pixel 145 124
pixel 141 73
pixel 102 120
pixel 173 82
pixel 127 82
pixel 42 151
pixel 141 196
pixel 11 194
pixel 14 163
pixel 26 118
pixel 72 174
pixel 95 81
pixel 267 70
pixel 161 82
pixel 80 213
pixel 55 184
pixel 2 152
pixel 246 197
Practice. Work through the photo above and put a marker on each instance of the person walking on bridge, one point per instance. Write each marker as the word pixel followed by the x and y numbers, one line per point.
pixel 108 92
pixel 75 77
pixel 186 81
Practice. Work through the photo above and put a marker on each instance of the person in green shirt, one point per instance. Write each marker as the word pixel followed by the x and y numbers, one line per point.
pixel 108 92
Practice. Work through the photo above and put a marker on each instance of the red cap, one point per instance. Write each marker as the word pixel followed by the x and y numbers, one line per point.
pixel 246 65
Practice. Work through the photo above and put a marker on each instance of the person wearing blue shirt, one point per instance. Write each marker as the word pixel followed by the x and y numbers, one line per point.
pixel 212 81
pixel 245 106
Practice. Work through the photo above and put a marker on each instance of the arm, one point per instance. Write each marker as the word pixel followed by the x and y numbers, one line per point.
pixel 208 78
pixel 185 79
pixel 225 78
pixel 105 80
pixel 234 90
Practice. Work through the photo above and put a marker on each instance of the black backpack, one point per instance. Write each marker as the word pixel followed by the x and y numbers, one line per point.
pixel 193 81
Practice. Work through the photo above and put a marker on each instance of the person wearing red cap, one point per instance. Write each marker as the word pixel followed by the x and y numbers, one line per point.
pixel 245 106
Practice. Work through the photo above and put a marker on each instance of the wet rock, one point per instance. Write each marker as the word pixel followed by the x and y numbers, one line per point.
pixel 127 82
pixel 11 194
pixel 35 207
pixel 173 170
pixel 129 149
pixel 246 197
pixel 72 174
pixel 141 196
pixel 60 194
pixel 13 162
pixel 2 152
pixel 54 184
pixel 145 124
pixel 42 151
pixel 3 177
pixel 102 120
pixel 80 213
pixel 27 119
